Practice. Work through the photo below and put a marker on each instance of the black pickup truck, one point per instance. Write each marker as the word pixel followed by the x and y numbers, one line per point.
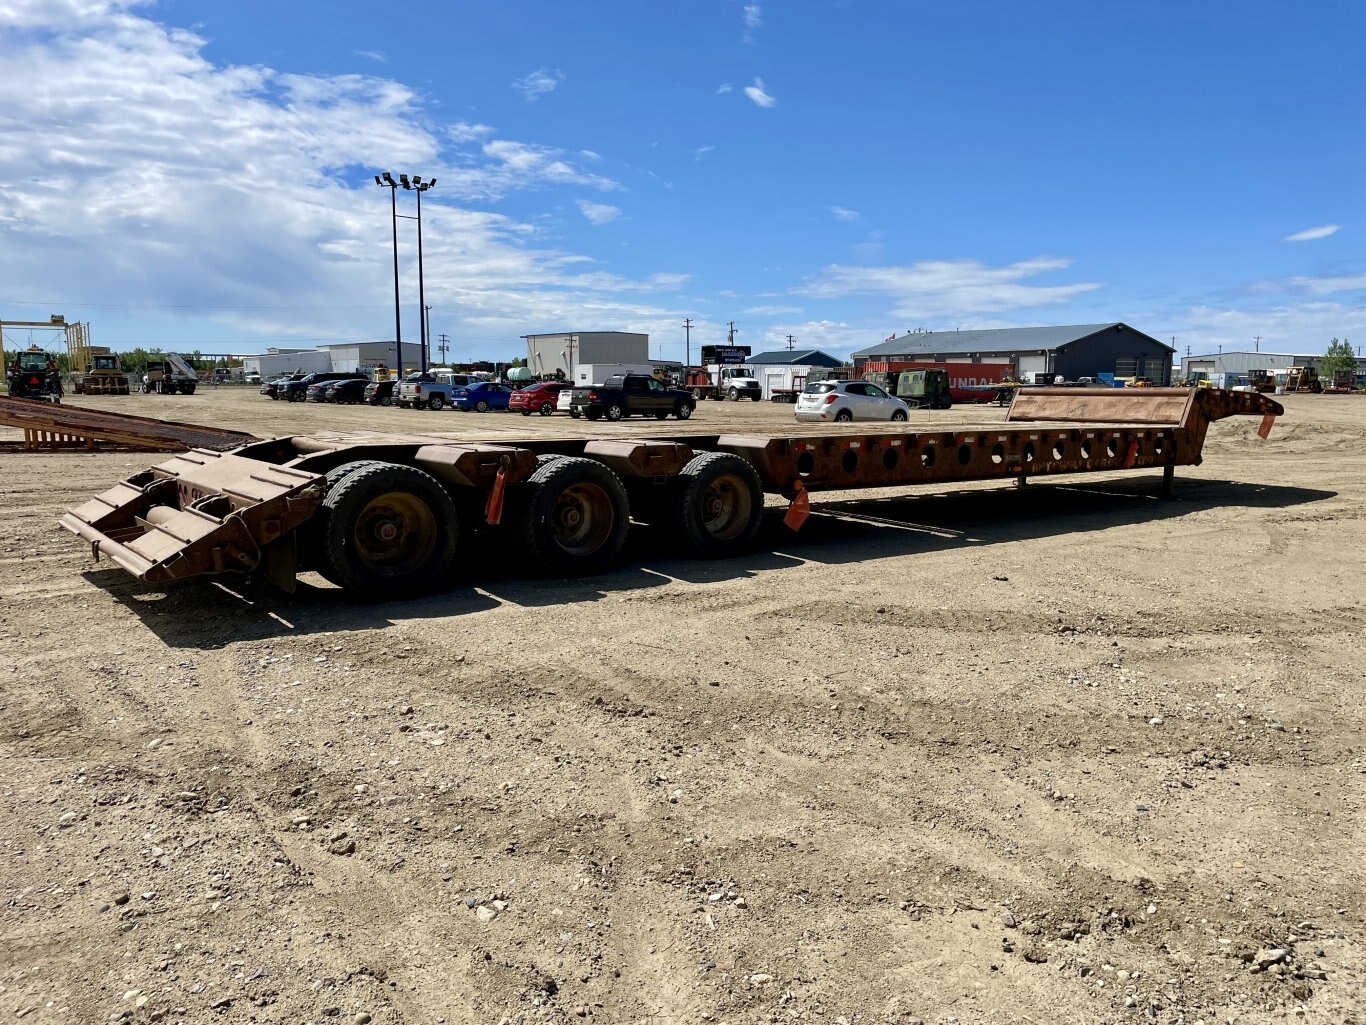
pixel 631 395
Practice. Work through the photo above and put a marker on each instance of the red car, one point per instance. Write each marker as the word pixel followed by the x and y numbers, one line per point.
pixel 537 398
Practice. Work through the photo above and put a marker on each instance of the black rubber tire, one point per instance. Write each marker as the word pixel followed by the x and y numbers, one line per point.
pixel 899 416
pixel 733 394
pixel 481 406
pixel 526 412
pixel 368 500
pixel 563 487
pixel 273 396
pixel 844 417
pixel 311 533
pixel 717 506
pixel 663 414
pixel 616 411
pixel 683 411
pixel 436 403
pixel 547 408
pixel 757 396
pixel 575 413
pixel 388 400
pixel 698 394
pixel 187 389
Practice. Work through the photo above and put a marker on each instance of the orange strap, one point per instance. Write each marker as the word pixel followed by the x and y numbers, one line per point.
pixel 1131 456
pixel 493 509
pixel 799 510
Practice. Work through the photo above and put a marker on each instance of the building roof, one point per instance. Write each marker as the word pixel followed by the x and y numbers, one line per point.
pixel 1244 352
pixel 1002 339
pixel 797 358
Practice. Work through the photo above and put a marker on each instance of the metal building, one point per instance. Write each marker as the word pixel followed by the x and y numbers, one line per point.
pixel 564 349
pixel 1237 364
pixel 1071 351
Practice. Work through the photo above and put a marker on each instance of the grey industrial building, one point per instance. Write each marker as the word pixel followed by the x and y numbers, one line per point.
pixel 562 350
pixel 1071 351
pixel 1215 365
pixel 342 357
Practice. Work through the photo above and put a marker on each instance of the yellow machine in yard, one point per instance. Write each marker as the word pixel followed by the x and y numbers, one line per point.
pixel 1298 379
pixel 95 369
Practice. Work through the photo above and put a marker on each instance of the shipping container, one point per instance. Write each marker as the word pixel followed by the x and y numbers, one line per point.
pixel 968 382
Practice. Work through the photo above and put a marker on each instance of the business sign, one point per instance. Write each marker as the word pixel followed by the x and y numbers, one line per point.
pixel 725 353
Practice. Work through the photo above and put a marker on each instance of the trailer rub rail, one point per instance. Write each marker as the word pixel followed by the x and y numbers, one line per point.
pixel 386 515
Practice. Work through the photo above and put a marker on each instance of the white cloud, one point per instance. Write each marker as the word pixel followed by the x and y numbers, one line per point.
pixel 598 213
pixel 463 131
pixel 371 55
pixel 754 18
pixel 942 287
pixel 702 151
pixel 538 83
pixel 1326 286
pixel 1311 234
pixel 724 88
pixel 1300 328
pixel 844 214
pixel 756 93
pixel 772 311
pixel 239 198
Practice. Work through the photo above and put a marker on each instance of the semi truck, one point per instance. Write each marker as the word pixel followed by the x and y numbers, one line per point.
pixel 723 381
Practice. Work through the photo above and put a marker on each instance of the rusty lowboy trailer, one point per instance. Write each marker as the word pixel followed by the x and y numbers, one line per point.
pixel 386 515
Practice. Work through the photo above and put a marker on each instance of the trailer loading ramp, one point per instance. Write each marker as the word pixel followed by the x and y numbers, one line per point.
pixel 48 425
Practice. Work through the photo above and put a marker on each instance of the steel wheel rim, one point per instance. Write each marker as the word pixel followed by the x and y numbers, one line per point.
pixel 726 506
pixel 395 533
pixel 581 519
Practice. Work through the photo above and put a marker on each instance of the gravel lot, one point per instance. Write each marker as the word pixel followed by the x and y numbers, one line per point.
pixel 1065 753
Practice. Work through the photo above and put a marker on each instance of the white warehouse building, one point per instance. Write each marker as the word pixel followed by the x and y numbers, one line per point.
pixel 563 350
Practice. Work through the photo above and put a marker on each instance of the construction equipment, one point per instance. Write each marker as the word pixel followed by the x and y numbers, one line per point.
pixel 33 375
pixel 94 369
pixel 1261 380
pixel 1344 382
pixel 170 375
pixel 389 515
pixel 1303 379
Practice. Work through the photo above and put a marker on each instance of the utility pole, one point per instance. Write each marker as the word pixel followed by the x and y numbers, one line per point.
pixel 1257 343
pixel 443 348
pixel 730 335
pixel 789 343
pixel 687 344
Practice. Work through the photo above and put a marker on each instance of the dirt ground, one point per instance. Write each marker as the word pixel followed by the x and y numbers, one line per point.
pixel 1065 753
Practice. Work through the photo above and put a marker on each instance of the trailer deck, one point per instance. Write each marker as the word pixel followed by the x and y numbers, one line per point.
pixel 386 514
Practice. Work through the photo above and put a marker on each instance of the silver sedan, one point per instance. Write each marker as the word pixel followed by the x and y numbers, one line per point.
pixel 843 401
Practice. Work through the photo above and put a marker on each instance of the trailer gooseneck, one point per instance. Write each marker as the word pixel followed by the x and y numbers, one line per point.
pixel 386 515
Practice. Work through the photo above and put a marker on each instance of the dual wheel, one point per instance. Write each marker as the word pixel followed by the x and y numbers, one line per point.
pixel 386 530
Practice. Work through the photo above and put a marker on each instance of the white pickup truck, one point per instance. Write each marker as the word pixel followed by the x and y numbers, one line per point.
pixel 430 389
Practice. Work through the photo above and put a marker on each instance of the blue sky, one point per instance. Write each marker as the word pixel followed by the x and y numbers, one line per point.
pixel 199 175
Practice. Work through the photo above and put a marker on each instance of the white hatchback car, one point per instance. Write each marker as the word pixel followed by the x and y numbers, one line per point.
pixel 842 401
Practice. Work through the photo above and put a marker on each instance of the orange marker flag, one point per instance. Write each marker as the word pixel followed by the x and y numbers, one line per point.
pixel 1265 430
pixel 493 510
pixel 799 510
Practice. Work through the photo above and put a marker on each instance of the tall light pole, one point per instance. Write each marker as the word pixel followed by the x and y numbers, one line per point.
pixel 389 183
pixel 415 183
